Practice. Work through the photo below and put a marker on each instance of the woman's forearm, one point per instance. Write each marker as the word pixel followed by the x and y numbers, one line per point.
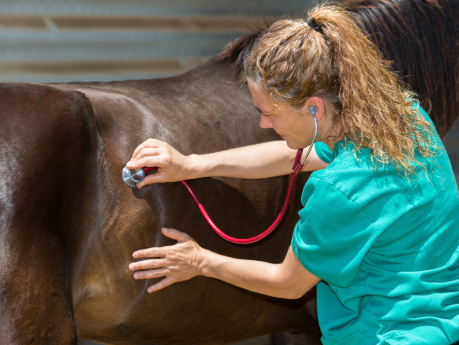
pixel 250 162
pixel 264 160
pixel 186 259
pixel 257 276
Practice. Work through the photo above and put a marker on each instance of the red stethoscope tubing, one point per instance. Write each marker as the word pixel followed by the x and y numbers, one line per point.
pixel 297 166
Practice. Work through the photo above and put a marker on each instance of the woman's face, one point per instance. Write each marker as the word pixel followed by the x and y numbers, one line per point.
pixel 295 126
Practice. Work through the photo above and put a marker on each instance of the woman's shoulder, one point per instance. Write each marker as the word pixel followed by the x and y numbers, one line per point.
pixel 345 164
pixel 349 173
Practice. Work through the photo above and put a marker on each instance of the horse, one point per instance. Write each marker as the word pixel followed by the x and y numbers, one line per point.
pixel 69 225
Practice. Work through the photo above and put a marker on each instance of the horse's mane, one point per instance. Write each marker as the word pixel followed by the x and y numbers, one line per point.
pixel 237 51
pixel 421 37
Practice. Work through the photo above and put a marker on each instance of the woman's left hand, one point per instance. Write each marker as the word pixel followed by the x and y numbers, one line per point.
pixel 177 263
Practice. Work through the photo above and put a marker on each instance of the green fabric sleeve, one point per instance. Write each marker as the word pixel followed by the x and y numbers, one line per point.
pixel 324 152
pixel 333 234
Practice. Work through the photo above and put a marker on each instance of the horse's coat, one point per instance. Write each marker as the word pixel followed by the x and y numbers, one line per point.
pixel 68 224
pixel 72 224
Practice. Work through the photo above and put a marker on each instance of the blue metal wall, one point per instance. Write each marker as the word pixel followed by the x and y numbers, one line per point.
pixel 64 40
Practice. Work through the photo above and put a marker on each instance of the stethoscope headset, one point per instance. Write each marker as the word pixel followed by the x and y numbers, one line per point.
pixel 133 176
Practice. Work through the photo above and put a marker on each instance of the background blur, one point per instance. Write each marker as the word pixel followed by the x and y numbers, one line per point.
pixel 104 40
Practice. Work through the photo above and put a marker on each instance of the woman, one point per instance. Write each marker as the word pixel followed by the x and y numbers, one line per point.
pixel 378 231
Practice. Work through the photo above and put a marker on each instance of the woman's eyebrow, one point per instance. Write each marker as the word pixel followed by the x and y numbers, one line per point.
pixel 263 112
pixel 266 113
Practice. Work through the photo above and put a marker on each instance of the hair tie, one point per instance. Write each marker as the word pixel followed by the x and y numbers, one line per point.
pixel 315 27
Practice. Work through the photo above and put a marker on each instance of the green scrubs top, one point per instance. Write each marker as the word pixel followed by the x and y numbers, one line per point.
pixel 386 248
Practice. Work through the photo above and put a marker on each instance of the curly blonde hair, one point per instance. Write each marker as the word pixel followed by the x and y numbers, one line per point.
pixel 336 62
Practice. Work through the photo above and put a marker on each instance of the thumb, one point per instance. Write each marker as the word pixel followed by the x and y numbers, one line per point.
pixel 175 234
pixel 150 179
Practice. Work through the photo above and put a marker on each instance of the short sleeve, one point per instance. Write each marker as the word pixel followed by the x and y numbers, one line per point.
pixel 333 235
pixel 324 152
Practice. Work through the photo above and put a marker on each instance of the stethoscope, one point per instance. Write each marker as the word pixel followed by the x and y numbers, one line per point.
pixel 133 176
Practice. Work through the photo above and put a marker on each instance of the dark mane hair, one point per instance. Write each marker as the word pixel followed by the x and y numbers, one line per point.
pixel 421 37
pixel 237 51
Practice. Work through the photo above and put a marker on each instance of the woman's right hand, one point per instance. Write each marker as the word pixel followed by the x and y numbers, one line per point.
pixel 173 166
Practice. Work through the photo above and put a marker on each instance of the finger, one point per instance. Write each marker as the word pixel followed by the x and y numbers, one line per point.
pixel 162 284
pixel 145 152
pixel 149 253
pixel 158 273
pixel 135 162
pixel 147 161
pixel 147 264
pixel 150 179
pixel 147 143
pixel 175 234
pixel 139 148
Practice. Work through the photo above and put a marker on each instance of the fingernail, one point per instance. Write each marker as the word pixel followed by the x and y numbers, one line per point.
pixel 136 276
pixel 131 267
pixel 165 230
pixel 128 163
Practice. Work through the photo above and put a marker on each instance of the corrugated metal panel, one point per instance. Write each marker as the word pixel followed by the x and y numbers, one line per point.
pixel 150 7
pixel 63 40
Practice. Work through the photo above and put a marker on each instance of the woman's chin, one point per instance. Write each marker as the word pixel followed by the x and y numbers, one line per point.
pixel 292 145
pixel 295 146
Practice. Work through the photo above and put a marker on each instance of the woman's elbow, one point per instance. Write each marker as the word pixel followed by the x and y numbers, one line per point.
pixel 294 291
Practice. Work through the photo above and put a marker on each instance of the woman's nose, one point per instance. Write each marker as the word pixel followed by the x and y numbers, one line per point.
pixel 265 122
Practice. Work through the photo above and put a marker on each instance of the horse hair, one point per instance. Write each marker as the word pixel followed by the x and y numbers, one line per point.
pixel 237 51
pixel 421 37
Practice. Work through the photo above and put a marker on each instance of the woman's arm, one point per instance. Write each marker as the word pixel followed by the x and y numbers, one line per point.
pixel 269 159
pixel 186 260
pixel 264 160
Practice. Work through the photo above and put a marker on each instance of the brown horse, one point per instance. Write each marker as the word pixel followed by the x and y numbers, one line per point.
pixel 68 224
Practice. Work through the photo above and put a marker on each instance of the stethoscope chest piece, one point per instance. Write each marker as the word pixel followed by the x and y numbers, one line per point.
pixel 132 176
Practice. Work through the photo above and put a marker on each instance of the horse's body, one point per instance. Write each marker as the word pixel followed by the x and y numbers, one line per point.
pixel 73 224
pixel 68 224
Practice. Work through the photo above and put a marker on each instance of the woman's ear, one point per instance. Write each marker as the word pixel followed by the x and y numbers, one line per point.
pixel 318 105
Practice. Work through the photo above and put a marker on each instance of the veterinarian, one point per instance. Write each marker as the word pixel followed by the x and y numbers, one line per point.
pixel 379 231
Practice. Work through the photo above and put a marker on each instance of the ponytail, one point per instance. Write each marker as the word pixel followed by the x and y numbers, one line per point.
pixel 330 57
